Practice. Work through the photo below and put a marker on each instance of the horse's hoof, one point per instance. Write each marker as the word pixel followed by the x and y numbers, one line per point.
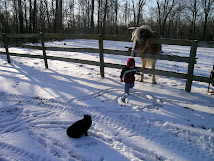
pixel 141 80
pixel 154 82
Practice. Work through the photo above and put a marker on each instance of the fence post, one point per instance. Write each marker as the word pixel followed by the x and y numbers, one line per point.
pixel 192 59
pixel 6 47
pixel 101 55
pixel 43 49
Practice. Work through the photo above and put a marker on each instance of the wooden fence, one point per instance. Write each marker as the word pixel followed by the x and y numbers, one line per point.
pixel 191 60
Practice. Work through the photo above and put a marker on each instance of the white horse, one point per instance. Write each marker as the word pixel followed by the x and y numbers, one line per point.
pixel 142 46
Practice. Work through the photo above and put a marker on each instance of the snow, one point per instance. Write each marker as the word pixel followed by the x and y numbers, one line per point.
pixel 157 122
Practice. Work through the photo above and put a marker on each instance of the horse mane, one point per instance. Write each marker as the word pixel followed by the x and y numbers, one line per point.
pixel 136 34
pixel 152 48
pixel 133 35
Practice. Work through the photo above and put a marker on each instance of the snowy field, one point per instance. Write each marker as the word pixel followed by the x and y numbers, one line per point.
pixel 158 122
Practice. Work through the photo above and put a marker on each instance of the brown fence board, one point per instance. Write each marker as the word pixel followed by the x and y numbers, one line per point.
pixel 74 60
pixel 70 36
pixel 166 57
pixel 206 44
pixel 89 50
pixel 27 46
pixel 203 79
pixel 24 55
pixel 23 35
pixel 170 41
pixel 116 38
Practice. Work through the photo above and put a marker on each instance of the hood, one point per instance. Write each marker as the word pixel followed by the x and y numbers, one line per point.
pixel 130 62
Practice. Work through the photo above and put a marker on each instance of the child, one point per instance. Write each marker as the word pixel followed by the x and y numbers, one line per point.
pixel 127 75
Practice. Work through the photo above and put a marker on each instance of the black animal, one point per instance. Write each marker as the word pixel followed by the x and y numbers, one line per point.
pixel 80 127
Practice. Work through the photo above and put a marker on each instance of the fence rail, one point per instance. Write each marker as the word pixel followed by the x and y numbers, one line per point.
pixel 191 60
pixel 205 44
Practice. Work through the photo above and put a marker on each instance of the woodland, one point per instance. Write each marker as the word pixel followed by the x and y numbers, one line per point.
pixel 178 19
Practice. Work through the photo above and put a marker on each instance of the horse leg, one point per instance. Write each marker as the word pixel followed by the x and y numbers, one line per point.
pixel 153 67
pixel 143 66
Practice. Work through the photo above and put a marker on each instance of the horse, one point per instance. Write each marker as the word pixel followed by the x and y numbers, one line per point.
pixel 142 46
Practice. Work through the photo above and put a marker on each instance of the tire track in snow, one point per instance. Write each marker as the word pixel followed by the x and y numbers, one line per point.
pixel 69 107
pixel 121 122
pixel 20 154
pixel 17 124
pixel 94 95
pixel 58 150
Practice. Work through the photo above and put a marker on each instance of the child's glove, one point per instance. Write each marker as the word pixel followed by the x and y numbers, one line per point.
pixel 121 80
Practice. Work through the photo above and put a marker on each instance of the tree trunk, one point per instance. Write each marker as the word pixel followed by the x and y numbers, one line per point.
pixel 56 20
pixel 116 14
pixel 34 20
pixel 98 17
pixel 104 18
pixel 47 14
pixel 205 26
pixel 30 16
pixel 133 7
pixel 159 18
pixel 92 16
pixel 207 7
pixel 141 3
pixel 194 16
pixel 60 16
pixel 21 27
pixel 26 19
pixel 16 26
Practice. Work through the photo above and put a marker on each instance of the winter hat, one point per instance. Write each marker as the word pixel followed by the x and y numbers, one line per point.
pixel 130 62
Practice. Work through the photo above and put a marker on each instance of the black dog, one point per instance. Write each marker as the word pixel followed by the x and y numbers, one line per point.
pixel 80 127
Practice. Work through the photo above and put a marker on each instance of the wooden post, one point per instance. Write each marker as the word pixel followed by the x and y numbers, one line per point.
pixel 192 59
pixel 43 49
pixel 101 55
pixel 6 47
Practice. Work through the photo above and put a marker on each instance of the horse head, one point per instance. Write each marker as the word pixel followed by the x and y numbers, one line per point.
pixel 139 37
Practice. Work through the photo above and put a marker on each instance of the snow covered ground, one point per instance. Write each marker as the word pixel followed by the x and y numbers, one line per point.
pixel 158 122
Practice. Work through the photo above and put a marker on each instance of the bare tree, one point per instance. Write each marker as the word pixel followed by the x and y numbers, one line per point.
pixel 30 16
pixel 34 17
pixel 20 16
pixel 25 13
pixel 116 16
pixel 141 3
pixel 207 6
pixel 47 14
pixel 126 12
pixel 71 16
pixel 4 16
pixel 137 11
pixel 58 16
pixel 134 13
pixel 104 17
pixel 164 9
pixel 194 7
pixel 92 16
pixel 99 25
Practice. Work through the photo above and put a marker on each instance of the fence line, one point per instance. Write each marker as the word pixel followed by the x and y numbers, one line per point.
pixel 108 51
pixel 191 60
